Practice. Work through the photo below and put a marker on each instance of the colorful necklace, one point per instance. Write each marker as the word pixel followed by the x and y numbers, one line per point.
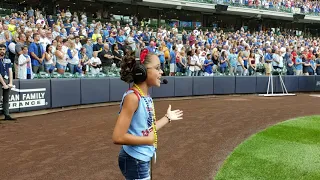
pixel 153 116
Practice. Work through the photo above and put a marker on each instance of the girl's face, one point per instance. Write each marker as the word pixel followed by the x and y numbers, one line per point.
pixel 25 50
pixel 59 47
pixel 54 43
pixel 154 72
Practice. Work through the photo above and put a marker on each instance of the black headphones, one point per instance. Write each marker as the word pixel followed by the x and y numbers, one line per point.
pixel 139 73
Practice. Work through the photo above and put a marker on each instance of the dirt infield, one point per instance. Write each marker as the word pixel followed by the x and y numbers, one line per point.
pixel 77 144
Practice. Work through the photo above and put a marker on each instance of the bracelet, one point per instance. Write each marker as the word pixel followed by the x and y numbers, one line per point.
pixel 167 118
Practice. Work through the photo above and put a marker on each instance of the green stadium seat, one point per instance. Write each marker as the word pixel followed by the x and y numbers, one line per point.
pixel 56 75
pixel 43 75
pixel 89 75
pixel 68 75
pixel 101 75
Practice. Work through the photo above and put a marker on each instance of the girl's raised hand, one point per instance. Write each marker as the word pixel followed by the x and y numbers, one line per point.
pixel 174 115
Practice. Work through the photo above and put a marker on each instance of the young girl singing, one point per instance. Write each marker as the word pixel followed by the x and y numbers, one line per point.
pixel 137 126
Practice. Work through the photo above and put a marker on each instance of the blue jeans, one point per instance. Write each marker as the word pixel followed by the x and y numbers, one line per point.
pixel 133 169
pixel 72 68
pixel 59 66
pixel 193 73
pixel 223 69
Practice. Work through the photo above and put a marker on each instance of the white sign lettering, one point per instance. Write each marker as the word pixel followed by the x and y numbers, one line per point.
pixel 27 98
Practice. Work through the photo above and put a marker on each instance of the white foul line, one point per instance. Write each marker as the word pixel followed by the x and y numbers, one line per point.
pixel 315 95
pixel 28 90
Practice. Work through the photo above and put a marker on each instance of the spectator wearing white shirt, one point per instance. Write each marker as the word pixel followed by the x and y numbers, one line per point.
pixel 179 45
pixel 61 56
pixel 275 59
pixel 192 61
pixel 280 53
pixel 127 29
pixel 49 63
pixel 25 67
pixel 78 45
pixel 18 51
pixel 174 29
pixel 56 32
pixel 131 41
pixel 68 14
pixel 198 66
pixel 41 21
pixel 95 63
pixel 74 60
pixel 44 41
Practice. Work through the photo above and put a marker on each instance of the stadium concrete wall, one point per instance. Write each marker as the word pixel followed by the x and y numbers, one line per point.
pixel 38 94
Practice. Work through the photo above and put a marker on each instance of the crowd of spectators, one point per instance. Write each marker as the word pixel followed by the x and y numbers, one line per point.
pixel 297 6
pixel 70 43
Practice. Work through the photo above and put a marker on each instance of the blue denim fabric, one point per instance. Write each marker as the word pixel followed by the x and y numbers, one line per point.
pixel 59 66
pixel 193 73
pixel 133 169
pixel 72 68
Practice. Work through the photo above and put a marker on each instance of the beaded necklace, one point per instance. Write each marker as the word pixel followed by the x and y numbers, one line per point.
pixel 153 116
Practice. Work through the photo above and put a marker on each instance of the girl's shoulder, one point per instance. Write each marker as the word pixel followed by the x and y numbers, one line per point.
pixel 130 99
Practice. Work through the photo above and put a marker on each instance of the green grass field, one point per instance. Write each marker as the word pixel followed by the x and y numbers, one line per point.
pixel 286 151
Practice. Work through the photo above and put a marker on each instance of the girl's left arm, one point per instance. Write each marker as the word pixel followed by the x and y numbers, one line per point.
pixel 162 122
pixel 170 116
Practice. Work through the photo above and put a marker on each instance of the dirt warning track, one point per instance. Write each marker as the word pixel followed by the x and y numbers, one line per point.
pixel 77 144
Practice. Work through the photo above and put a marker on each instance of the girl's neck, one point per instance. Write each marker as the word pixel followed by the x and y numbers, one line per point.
pixel 144 88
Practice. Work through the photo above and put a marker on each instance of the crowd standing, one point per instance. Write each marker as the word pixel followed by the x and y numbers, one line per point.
pixel 36 43
pixel 297 6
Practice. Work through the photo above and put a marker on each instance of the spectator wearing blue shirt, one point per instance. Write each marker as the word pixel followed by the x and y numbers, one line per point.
pixel 268 59
pixel 169 45
pixel 290 65
pixel 37 54
pixel 89 47
pixel 6 77
pixel 151 47
pixel 161 57
pixel 68 26
pixel 298 66
pixel 233 61
pixel 208 64
pixel 50 21
pixel 146 39
pixel 120 40
pixel 173 61
pixel 105 33
pixel 30 12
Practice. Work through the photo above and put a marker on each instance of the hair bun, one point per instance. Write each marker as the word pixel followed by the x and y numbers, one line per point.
pixel 127 65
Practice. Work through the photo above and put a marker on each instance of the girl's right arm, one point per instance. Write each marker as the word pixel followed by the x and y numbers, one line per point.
pixel 120 133
pixel 47 56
